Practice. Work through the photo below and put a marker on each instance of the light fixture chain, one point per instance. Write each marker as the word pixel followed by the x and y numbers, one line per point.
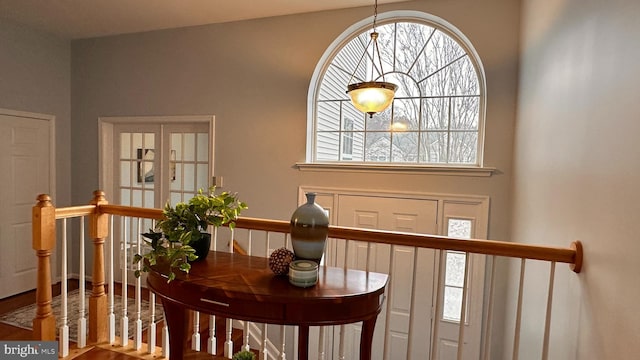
pixel 375 15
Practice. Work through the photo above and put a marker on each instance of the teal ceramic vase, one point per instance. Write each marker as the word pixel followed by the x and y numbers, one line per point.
pixel 309 229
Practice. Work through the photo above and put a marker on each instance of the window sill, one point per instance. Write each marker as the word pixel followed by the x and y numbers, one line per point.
pixel 395 169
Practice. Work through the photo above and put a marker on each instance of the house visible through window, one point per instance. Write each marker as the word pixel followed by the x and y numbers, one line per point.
pixel 438 113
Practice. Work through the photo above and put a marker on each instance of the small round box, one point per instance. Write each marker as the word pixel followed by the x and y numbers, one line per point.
pixel 303 273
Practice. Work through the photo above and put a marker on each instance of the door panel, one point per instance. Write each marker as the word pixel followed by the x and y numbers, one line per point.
pixel 25 163
pixel 397 214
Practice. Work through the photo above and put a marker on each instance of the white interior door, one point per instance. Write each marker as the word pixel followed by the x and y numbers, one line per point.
pixel 397 214
pixel 25 149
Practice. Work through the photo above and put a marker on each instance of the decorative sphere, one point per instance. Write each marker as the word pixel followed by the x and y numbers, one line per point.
pixel 279 261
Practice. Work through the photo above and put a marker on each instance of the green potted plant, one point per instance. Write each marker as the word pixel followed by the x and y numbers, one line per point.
pixel 181 238
pixel 244 355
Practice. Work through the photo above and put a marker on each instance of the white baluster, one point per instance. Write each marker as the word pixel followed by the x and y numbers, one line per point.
pixel 321 352
pixel 64 328
pixel 82 320
pixel 412 305
pixel 137 335
pixel 435 344
pixel 165 339
pixel 124 320
pixel 389 295
pixel 195 336
pixel 151 332
pixel 266 249
pixel 250 242
pixel 264 354
pixel 516 336
pixel 547 321
pixel 212 343
pixel 245 332
pixel 489 320
pixel 283 355
pixel 111 289
pixel 463 309
pixel 228 344
pixel 341 351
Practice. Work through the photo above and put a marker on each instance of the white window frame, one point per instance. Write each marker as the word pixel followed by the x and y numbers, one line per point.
pixel 446 169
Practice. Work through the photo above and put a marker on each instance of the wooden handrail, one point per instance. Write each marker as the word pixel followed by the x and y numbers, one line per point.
pixel 131 211
pixel 75 211
pixel 572 255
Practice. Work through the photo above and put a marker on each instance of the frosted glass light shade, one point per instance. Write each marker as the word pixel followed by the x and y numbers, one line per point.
pixel 372 96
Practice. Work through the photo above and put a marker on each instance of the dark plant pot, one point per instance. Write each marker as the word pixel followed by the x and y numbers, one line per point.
pixel 201 246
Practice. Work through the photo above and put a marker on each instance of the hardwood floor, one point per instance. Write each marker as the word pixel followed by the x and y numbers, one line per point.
pixel 103 351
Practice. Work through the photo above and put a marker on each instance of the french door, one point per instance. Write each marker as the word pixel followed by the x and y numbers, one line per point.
pixel 151 161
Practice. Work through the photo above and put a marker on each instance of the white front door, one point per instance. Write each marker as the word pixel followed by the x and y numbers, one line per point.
pixel 411 327
pixel 396 214
pixel 25 148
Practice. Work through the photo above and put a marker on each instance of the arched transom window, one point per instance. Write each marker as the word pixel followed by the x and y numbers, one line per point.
pixel 437 115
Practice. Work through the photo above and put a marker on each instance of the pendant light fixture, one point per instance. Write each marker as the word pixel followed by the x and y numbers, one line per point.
pixel 371 96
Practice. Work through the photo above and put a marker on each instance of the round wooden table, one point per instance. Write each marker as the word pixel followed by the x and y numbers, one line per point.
pixel 242 287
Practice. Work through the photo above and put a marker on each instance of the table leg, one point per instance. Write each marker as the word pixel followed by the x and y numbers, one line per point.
pixel 176 321
pixel 366 338
pixel 303 342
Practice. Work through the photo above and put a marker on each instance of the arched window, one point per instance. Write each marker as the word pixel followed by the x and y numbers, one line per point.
pixel 437 116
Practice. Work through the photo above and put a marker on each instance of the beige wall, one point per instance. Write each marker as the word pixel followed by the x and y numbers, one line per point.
pixel 577 169
pixel 35 76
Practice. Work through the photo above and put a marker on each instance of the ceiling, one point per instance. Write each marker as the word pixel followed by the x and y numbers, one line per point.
pixel 77 19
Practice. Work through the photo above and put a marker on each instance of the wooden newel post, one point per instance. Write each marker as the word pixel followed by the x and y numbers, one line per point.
pixel 43 241
pixel 98 319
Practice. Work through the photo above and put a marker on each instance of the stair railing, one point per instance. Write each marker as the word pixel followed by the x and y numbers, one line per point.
pixel 101 327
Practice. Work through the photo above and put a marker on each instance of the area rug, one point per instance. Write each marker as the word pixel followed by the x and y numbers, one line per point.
pixel 23 317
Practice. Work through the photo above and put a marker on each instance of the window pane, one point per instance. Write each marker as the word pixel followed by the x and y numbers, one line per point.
pixel 327 146
pixel 176 145
pixel 460 228
pixel 125 146
pixel 189 177
pixel 328 116
pixel 203 147
pixel 465 77
pixel 125 173
pixel 378 147
pixel 452 303
pixel 380 121
pixel 436 113
pixel 434 147
pixel 176 184
pixel 203 177
pixel 464 113
pixel 463 147
pixel 189 141
pixel 406 115
pixel 455 269
pixel 405 147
